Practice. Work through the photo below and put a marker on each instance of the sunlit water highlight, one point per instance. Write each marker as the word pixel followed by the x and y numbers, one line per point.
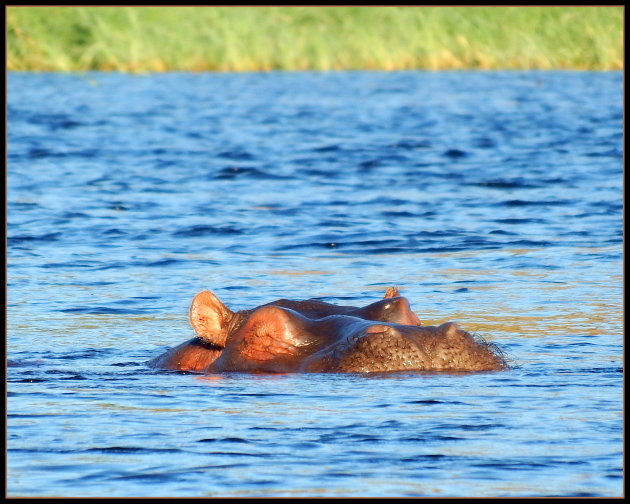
pixel 493 199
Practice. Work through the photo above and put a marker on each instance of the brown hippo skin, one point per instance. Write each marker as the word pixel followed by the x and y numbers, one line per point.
pixel 313 336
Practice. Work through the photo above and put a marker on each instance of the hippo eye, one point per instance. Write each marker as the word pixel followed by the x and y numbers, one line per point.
pixel 387 306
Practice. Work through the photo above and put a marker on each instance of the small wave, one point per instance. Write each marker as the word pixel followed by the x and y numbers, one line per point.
pixel 501 232
pixel 85 353
pixel 521 203
pixel 398 214
pixel 431 402
pixel 411 144
pixel 225 440
pixel 106 310
pixel 531 243
pixel 455 153
pixel 480 427
pixel 616 153
pixel 48 237
pixel 53 121
pixel 232 172
pixel 162 262
pixel 520 221
pixel 328 148
pixel 132 449
pixel 37 153
pixel 322 173
pixel 126 364
pixel 27 380
pixel 604 370
pixel 484 143
pixel 71 265
pixel 207 230
pixel 506 184
pixel 236 154
pixel 23 205
pixel 370 163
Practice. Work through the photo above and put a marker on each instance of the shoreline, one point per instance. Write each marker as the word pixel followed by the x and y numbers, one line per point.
pixel 262 39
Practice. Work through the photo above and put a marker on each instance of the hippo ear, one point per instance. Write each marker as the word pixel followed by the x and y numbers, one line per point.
pixel 391 292
pixel 210 318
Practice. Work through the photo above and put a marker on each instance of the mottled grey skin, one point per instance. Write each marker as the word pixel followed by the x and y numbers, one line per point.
pixel 312 336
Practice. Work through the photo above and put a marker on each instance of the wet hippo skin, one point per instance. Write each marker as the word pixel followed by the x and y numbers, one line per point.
pixel 314 336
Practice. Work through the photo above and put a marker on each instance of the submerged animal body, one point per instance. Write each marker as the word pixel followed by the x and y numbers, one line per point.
pixel 287 336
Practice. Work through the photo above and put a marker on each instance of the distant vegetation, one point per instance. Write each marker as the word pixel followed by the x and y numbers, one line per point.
pixel 148 39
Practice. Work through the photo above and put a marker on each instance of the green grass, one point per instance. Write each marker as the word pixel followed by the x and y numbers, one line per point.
pixel 145 39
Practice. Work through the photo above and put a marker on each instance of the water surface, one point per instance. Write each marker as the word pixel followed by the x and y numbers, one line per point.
pixel 490 198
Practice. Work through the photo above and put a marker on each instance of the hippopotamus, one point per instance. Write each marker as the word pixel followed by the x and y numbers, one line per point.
pixel 313 336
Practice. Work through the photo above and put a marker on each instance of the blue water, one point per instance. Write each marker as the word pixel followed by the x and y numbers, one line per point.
pixel 493 199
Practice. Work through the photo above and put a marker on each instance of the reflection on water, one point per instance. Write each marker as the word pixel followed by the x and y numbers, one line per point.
pixel 492 199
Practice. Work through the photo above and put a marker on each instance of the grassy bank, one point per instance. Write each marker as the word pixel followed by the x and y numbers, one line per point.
pixel 140 39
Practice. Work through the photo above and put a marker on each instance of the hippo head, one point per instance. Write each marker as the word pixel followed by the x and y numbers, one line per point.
pixel 314 336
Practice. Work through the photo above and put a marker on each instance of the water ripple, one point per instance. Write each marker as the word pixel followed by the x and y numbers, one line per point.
pixel 494 199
